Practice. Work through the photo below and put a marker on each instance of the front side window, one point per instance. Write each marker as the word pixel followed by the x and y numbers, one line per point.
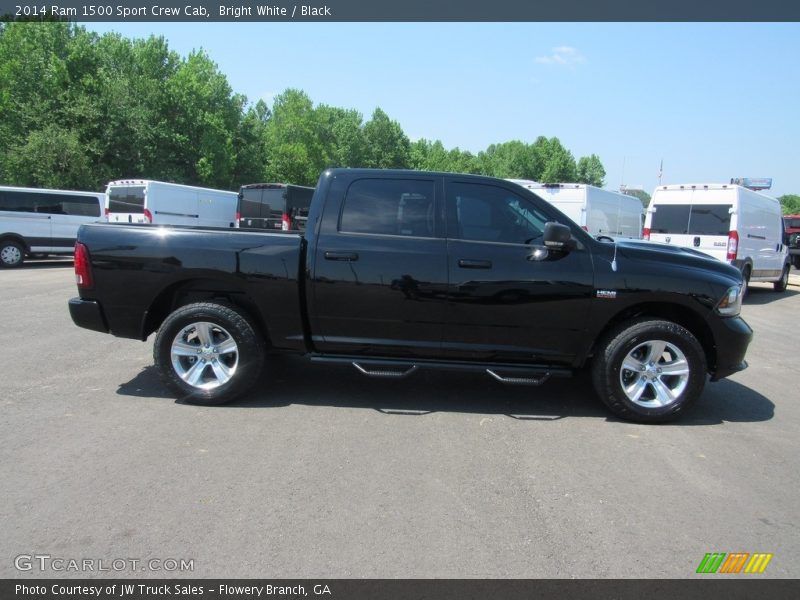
pixel 389 207
pixel 486 213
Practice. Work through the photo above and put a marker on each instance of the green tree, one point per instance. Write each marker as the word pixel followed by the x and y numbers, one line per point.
pixel 591 171
pixel 386 146
pixel 295 152
pixel 52 157
pixel 205 115
pixel 341 134
pixel 790 204
pixel 510 160
pixel 558 164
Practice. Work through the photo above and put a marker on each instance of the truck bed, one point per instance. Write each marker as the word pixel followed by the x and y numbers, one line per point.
pixel 151 266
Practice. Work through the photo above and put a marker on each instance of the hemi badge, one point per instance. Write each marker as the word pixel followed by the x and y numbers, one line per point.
pixel 611 294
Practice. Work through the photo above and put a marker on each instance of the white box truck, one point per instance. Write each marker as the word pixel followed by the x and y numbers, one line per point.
pixel 598 211
pixel 729 222
pixel 148 201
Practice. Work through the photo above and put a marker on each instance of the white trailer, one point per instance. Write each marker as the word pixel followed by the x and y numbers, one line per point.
pixel 729 222
pixel 598 211
pixel 148 201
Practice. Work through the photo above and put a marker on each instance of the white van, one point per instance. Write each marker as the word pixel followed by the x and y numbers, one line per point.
pixel 148 201
pixel 729 222
pixel 598 211
pixel 37 221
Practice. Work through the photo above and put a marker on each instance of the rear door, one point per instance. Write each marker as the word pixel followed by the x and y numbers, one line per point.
pixel 709 226
pixel 380 270
pixel 689 219
pixel 125 204
pixel 502 305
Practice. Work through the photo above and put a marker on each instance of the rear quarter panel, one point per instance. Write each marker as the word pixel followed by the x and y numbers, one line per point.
pixel 134 265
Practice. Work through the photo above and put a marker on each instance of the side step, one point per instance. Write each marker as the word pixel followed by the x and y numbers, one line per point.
pixel 388 368
pixel 519 380
pixel 383 372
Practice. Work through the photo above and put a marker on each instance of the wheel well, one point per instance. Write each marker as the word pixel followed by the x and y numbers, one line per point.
pixel 671 312
pixel 15 237
pixel 200 290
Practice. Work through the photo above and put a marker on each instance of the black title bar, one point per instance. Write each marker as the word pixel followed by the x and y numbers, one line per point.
pixel 394 589
pixel 402 10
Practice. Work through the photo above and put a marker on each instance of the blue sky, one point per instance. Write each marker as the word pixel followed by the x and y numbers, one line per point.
pixel 713 100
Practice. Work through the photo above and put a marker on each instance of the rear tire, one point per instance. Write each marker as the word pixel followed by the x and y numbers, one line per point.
pixel 12 254
pixel 649 370
pixel 208 353
pixel 783 282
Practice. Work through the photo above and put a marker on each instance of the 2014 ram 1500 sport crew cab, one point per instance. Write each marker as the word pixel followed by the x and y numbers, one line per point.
pixel 399 270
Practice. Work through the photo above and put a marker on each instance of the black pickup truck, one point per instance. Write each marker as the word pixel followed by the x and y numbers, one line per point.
pixel 402 270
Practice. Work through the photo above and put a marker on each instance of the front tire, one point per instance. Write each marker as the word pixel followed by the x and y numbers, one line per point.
pixel 12 254
pixel 208 353
pixel 649 370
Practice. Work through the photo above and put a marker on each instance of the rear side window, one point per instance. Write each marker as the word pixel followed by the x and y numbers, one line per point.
pixel 389 207
pixel 50 204
pixel 126 199
pixel 710 219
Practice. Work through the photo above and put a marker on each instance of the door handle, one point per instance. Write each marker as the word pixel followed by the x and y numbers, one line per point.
pixel 474 264
pixel 345 256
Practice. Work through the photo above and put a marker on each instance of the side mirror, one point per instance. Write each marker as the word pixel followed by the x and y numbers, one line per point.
pixel 557 236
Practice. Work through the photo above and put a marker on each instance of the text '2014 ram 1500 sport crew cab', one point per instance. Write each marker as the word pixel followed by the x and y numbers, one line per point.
pixel 400 270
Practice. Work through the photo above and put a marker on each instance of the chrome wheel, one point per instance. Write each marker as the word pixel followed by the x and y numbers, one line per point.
pixel 204 355
pixel 654 374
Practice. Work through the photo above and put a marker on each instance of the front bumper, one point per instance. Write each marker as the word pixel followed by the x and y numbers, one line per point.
pixel 732 337
pixel 87 314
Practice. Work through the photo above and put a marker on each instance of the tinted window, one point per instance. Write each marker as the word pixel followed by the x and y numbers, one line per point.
pixel 710 219
pixel 80 206
pixel 273 203
pixel 389 207
pixel 126 199
pixel 250 204
pixel 670 218
pixel 18 201
pixel 792 223
pixel 486 213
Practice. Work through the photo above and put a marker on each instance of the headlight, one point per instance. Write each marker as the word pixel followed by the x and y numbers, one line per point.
pixel 731 303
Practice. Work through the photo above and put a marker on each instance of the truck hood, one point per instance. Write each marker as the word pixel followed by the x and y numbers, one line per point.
pixel 641 250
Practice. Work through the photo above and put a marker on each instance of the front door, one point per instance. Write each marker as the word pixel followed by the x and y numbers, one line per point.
pixel 506 303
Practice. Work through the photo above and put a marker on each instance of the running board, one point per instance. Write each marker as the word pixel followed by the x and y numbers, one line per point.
pixel 391 368
pixel 519 380
pixel 383 372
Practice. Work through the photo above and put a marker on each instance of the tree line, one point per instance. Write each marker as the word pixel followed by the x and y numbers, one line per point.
pixel 78 109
